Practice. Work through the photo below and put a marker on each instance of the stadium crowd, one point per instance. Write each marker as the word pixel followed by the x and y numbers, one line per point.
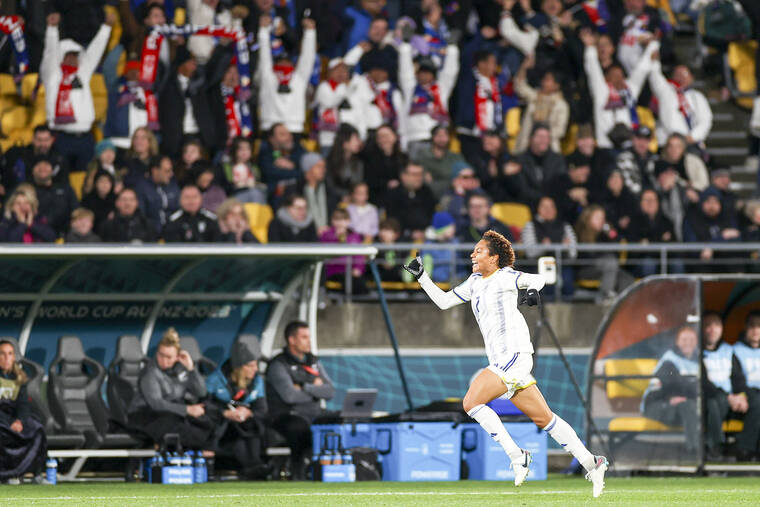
pixel 370 121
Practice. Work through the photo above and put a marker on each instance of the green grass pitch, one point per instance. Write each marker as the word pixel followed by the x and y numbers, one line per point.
pixel 557 490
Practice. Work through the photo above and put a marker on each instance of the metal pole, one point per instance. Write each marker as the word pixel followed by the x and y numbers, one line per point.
pixel 570 373
pixel 391 332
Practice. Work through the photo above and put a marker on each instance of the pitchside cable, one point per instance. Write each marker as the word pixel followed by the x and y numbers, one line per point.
pixel 391 332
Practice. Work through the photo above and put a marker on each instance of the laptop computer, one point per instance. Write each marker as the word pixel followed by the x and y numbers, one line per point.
pixel 358 403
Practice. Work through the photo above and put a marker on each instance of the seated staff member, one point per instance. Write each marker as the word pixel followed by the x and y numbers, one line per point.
pixel 747 369
pixel 159 406
pixel 296 384
pixel 237 389
pixel 23 446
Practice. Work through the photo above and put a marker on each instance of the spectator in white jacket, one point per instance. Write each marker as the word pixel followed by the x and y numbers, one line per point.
pixel 334 104
pixel 65 70
pixel 682 110
pixel 379 99
pixel 207 13
pixel 426 95
pixel 282 90
pixel 613 94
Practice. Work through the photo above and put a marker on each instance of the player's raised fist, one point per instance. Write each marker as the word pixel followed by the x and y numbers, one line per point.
pixel 415 267
pixel 53 19
pixel 309 24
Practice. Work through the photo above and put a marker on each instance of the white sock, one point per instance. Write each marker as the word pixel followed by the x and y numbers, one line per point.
pixel 490 422
pixel 565 436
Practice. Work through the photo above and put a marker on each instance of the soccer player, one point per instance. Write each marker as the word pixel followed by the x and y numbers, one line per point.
pixel 492 291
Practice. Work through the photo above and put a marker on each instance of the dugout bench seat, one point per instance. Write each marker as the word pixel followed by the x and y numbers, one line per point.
pixel 629 379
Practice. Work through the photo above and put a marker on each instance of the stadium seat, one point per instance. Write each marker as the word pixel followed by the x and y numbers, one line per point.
pixel 512 123
pixel 14 119
pixel 513 214
pixel 310 144
pixel 455 146
pixel 205 365
pixel 28 86
pixel 116 29
pixel 567 146
pixel 99 97
pixel 7 85
pixel 638 424
pixel 740 62
pixel 35 372
pixel 628 388
pixel 73 392
pixel 123 373
pixel 76 180
pixel 259 216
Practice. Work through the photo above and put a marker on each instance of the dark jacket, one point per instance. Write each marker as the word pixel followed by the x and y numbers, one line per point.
pixel 100 207
pixel 618 206
pixel 121 229
pixel 171 106
pixel 379 169
pixel 281 231
pixel 285 371
pixel 75 237
pixel 157 202
pixel 248 237
pixel 12 231
pixel 536 171
pixel 412 208
pixel 166 390
pixel 558 188
pixel 199 228
pixel 16 406
pixel 56 204
pixel 470 234
pixel 698 227
pixel 278 179
pixel 17 163
pixel 655 230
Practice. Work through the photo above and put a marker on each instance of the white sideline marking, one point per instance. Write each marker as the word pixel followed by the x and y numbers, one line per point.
pixel 354 493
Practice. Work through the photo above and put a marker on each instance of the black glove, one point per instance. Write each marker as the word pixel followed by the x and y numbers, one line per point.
pixel 530 298
pixel 415 268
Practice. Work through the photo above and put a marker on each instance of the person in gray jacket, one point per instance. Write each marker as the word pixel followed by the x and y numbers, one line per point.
pixel 160 404
pixel 296 383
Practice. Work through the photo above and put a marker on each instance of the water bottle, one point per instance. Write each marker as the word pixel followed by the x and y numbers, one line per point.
pixel 187 460
pixel 200 470
pixel 347 458
pixel 51 472
pixel 174 459
pixel 156 468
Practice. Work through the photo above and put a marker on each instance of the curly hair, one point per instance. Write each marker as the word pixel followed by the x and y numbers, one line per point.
pixel 501 246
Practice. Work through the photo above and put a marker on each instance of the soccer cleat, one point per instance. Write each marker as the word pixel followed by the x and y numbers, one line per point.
pixel 522 469
pixel 596 474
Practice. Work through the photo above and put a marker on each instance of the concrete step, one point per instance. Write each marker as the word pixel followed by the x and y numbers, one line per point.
pixel 729 151
pixel 727 135
pixel 723 118
pixel 742 187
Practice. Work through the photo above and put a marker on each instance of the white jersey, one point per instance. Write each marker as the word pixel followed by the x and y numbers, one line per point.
pixel 494 303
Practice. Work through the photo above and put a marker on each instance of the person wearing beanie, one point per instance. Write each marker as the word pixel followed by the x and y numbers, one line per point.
pixel 438 160
pixel 454 201
pixel 237 391
pixel 65 70
pixel 705 223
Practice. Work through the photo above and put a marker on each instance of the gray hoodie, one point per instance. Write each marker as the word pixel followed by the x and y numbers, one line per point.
pixel 167 390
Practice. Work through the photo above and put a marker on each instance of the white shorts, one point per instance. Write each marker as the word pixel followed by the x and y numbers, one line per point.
pixel 514 371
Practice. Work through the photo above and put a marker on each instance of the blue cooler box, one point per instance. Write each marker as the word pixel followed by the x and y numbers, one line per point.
pixel 351 435
pixel 486 459
pixel 419 451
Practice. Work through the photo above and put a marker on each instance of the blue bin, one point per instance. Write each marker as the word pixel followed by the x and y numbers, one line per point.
pixel 419 451
pixel 486 459
pixel 351 435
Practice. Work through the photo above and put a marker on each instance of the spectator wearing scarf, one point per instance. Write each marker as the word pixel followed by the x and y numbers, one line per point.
pixel 614 95
pixel 65 70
